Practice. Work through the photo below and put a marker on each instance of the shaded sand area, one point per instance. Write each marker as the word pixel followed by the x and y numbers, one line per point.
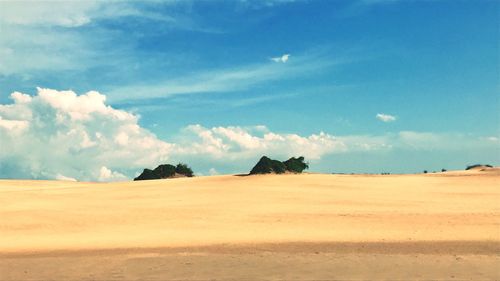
pixel 442 226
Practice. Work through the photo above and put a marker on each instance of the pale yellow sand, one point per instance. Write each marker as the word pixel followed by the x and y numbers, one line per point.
pixel 311 226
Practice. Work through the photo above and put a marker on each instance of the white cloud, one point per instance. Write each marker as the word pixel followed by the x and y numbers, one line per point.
pixel 258 4
pixel 374 2
pixel 60 177
pixel 39 35
pixel 492 139
pixel 39 48
pixel 47 35
pixel 60 13
pixel 106 174
pixel 79 136
pixel 385 117
pixel 282 59
pixel 62 135
pixel 411 140
pixel 20 97
pixel 243 143
pixel 72 13
pixel 57 133
pixel 13 125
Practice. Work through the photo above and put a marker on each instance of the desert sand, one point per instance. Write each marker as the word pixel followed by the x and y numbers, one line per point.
pixel 442 226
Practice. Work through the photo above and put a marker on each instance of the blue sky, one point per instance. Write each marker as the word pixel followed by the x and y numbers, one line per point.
pixel 371 86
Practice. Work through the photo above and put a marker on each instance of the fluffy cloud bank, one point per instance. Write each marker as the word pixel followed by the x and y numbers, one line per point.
pixel 236 142
pixel 62 135
pixel 65 136
pixel 59 134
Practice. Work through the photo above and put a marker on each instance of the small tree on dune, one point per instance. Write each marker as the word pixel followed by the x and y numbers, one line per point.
pixel 296 165
pixel 184 169
pixel 267 165
pixel 165 171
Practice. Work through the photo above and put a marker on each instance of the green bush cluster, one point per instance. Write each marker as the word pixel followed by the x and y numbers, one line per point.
pixel 296 165
pixel 184 169
pixel 165 171
pixel 267 165
pixel 477 165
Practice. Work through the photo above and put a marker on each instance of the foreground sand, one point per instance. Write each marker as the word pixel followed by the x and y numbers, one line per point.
pixel 349 227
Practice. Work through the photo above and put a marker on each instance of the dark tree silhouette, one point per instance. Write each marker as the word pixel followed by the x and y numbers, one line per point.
pixel 184 169
pixel 267 165
pixel 477 165
pixel 296 165
pixel 165 171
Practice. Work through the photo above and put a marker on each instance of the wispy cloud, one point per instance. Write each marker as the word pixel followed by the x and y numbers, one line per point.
pixel 256 4
pixel 375 2
pixel 64 14
pixel 359 7
pixel 72 14
pixel 226 79
pixel 385 117
pixel 68 35
pixel 223 101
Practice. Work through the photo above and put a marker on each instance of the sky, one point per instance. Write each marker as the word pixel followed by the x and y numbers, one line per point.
pixel 98 91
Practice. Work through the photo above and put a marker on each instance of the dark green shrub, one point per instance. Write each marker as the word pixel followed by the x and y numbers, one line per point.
pixel 165 171
pixel 267 166
pixel 262 167
pixel 278 167
pixel 296 165
pixel 147 174
pixel 477 165
pixel 425 171
pixel 184 169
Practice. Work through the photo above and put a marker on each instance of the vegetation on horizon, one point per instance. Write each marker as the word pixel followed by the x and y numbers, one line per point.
pixel 477 165
pixel 166 171
pixel 267 165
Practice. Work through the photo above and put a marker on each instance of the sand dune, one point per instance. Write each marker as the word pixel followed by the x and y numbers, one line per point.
pixel 310 226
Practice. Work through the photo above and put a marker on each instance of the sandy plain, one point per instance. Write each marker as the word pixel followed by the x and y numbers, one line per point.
pixel 443 226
